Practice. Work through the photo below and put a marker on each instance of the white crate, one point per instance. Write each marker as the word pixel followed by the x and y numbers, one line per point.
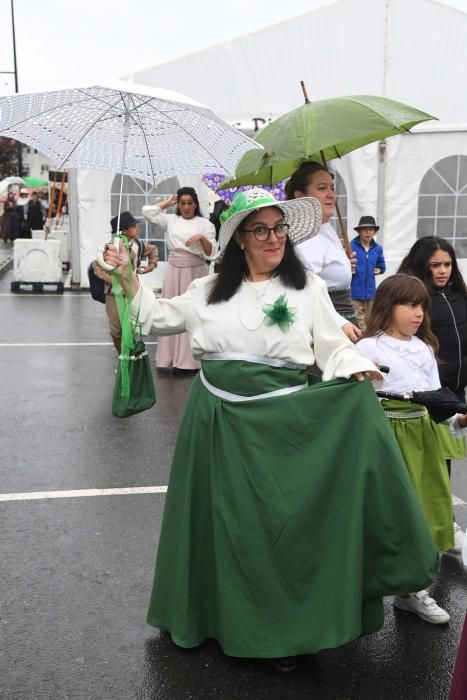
pixel 38 234
pixel 62 235
pixel 36 261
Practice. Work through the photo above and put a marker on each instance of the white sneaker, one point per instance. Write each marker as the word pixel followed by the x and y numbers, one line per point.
pixel 422 605
pixel 459 536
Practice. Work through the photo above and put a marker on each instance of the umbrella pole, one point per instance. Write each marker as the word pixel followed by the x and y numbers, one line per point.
pixel 344 233
pixel 305 93
pixel 126 133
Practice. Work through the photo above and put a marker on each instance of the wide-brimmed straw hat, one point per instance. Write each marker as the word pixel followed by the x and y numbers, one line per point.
pixel 303 215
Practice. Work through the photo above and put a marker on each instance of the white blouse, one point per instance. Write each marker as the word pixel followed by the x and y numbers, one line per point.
pixel 324 255
pixel 238 325
pixel 412 367
pixel 178 230
pixel 412 364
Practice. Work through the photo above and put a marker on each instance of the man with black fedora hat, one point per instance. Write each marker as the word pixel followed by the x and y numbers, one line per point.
pixel 368 263
pixel 140 251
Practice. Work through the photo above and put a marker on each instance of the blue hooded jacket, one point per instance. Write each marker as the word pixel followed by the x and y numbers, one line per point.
pixel 363 285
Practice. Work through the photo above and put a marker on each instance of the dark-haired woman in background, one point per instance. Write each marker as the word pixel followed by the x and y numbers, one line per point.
pixel 279 538
pixel 191 241
pixel 433 260
pixel 324 254
pixel 10 220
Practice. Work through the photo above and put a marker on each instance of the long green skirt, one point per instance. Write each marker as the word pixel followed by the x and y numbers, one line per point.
pixel 287 518
pixel 420 443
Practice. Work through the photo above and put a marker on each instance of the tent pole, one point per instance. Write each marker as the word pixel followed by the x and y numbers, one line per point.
pixel 381 193
pixel 74 225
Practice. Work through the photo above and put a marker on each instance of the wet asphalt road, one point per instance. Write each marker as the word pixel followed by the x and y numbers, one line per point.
pixel 76 572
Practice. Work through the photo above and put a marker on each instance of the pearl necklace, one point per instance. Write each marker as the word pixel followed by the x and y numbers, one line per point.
pixel 257 304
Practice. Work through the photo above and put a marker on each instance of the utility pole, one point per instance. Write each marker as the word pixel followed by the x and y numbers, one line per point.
pixel 15 67
pixel 15 73
pixel 15 70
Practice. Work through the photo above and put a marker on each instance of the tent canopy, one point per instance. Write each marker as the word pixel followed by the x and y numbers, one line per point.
pixel 382 47
pixel 414 52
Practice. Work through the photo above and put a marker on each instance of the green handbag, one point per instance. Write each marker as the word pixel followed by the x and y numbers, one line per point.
pixel 134 386
pixel 134 392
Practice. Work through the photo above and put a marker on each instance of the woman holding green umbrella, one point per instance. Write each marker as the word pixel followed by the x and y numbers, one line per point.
pixel 324 254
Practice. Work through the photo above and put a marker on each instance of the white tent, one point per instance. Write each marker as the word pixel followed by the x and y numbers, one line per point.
pixel 413 51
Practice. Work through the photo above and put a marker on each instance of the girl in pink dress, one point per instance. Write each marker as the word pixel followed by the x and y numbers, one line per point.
pixel 191 241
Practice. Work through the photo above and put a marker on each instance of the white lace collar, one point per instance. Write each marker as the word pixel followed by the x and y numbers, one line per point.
pixel 402 346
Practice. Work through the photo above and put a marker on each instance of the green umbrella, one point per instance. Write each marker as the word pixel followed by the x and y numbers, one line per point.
pixel 36 182
pixel 322 130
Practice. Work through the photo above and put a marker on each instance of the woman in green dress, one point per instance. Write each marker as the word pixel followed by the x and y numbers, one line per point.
pixel 281 533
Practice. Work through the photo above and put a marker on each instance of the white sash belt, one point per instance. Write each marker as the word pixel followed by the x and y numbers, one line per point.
pixel 407 414
pixel 246 357
pixel 227 396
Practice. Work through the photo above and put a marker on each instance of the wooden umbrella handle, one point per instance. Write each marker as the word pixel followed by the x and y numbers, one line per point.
pixel 344 233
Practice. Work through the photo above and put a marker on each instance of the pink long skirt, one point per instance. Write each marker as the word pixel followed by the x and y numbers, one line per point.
pixel 174 350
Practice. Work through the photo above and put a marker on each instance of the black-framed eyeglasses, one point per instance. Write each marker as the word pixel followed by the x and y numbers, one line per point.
pixel 261 233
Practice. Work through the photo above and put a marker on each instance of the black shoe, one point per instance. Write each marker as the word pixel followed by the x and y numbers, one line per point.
pixel 284 664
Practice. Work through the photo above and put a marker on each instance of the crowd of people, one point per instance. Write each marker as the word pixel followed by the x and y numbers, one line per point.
pixel 22 213
pixel 279 538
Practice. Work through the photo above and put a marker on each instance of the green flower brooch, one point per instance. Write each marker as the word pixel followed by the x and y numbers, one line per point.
pixel 280 313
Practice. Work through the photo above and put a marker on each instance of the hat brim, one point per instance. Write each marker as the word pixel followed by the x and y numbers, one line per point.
pixel 303 216
pixel 357 228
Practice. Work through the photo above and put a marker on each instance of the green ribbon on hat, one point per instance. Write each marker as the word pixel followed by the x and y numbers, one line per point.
pixel 241 202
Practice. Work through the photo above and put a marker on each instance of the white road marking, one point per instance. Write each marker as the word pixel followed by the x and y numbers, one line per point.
pixel 37 295
pixel 60 345
pixel 129 491
pixel 457 501
pixel 39 495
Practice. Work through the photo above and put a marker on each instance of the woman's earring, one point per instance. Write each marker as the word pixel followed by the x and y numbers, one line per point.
pixel 242 246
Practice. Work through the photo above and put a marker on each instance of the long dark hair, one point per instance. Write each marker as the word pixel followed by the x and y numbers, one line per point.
pixel 301 178
pixel 416 262
pixel 400 289
pixel 191 192
pixel 233 270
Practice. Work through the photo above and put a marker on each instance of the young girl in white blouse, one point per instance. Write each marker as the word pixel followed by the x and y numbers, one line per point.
pixel 398 335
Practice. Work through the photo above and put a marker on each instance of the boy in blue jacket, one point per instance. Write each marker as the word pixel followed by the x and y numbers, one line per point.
pixel 369 262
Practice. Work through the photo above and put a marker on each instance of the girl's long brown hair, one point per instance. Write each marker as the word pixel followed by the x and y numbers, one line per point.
pixel 400 289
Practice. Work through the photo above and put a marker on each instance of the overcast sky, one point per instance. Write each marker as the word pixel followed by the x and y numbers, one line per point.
pixel 62 42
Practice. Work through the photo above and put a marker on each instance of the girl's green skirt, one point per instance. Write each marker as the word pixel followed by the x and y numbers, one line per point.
pixel 421 446
pixel 287 518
